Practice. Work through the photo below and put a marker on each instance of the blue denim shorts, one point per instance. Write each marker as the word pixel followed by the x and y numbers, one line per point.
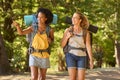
pixel 74 61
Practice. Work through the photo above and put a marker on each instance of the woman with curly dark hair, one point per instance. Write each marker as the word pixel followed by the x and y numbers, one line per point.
pixel 39 58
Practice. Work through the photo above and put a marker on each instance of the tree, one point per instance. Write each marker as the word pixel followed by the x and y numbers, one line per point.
pixel 117 32
pixel 4 63
pixel 107 19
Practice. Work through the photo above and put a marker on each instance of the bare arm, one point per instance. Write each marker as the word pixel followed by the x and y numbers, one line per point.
pixel 51 36
pixel 19 29
pixel 89 49
pixel 65 38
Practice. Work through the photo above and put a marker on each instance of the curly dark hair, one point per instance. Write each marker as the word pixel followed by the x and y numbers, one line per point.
pixel 48 14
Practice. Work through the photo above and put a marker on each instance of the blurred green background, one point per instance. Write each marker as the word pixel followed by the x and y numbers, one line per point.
pixel 105 14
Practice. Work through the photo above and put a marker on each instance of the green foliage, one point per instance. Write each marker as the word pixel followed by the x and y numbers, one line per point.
pixel 102 13
pixel 16 53
pixel 20 52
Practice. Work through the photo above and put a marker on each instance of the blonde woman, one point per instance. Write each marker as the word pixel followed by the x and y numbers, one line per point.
pixel 78 45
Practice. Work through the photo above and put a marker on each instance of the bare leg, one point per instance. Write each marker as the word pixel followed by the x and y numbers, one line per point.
pixel 81 74
pixel 42 74
pixel 34 72
pixel 72 73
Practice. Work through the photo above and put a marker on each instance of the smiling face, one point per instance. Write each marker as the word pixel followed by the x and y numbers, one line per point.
pixel 76 19
pixel 41 18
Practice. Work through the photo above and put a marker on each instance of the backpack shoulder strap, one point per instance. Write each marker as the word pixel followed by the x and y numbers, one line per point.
pixel 35 28
pixel 30 36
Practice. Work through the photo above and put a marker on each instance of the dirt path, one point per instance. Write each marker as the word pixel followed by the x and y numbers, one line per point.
pixel 99 74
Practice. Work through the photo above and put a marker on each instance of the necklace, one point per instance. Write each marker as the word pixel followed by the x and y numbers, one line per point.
pixel 77 30
pixel 41 29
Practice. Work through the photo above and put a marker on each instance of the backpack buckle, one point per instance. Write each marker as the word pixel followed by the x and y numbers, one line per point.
pixel 30 50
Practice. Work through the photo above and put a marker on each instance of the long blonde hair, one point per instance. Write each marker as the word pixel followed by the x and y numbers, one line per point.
pixel 84 23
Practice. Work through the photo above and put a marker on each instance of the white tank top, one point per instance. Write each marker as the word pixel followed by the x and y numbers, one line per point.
pixel 77 41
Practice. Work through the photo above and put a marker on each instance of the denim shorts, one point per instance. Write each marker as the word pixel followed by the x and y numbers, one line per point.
pixel 74 61
pixel 39 62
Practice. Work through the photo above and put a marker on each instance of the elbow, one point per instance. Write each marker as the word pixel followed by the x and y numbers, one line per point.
pixel 51 40
pixel 61 45
pixel 20 33
pixel 88 46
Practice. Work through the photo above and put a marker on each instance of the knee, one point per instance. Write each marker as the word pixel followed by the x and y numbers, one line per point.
pixel 42 77
pixel 73 78
pixel 34 77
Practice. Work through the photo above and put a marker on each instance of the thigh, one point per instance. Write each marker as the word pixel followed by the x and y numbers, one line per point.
pixel 70 61
pixel 34 71
pixel 43 71
pixel 81 62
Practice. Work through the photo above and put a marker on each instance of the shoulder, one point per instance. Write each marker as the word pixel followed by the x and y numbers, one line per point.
pixel 66 30
pixel 85 32
pixel 49 28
